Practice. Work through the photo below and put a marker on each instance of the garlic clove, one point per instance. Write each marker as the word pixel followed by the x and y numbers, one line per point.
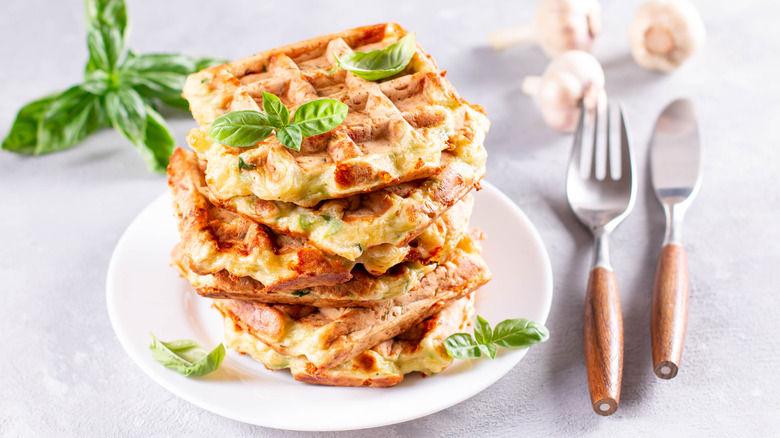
pixel 665 33
pixel 571 77
pixel 563 25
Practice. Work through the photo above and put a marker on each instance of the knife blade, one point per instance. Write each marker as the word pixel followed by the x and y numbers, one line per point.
pixel 675 169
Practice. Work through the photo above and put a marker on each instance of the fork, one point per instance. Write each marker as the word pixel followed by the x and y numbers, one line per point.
pixel 601 204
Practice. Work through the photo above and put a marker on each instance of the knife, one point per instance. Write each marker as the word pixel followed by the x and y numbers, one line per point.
pixel 675 167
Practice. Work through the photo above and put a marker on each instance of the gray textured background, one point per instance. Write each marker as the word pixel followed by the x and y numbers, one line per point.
pixel 63 371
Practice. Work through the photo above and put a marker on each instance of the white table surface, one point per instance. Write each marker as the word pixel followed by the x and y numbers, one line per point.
pixel 63 372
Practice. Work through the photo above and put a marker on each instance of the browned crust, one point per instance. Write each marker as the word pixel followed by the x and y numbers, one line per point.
pixel 347 294
pixel 326 378
pixel 364 370
pixel 358 329
pixel 204 228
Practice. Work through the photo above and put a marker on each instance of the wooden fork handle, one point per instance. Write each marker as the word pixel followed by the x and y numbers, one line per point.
pixel 669 315
pixel 603 341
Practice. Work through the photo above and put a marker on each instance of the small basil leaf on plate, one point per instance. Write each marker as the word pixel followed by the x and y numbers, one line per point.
pixel 241 128
pixel 187 357
pixel 277 113
pixel 69 118
pixel 290 136
pixel 23 136
pixel 127 112
pixel 482 331
pixel 462 346
pixel 320 116
pixel 519 333
pixel 489 349
pixel 381 63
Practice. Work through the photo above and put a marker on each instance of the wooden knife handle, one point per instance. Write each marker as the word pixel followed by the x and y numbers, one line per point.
pixel 603 341
pixel 669 315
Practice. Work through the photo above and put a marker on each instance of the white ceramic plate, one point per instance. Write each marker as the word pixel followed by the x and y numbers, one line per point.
pixel 144 294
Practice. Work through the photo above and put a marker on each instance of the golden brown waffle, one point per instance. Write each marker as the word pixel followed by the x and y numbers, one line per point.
pixel 395 130
pixel 419 349
pixel 215 240
pixel 362 290
pixel 392 216
pixel 330 336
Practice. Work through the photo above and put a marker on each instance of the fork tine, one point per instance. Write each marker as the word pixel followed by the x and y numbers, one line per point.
pixel 594 153
pixel 608 174
pixel 625 153
pixel 575 162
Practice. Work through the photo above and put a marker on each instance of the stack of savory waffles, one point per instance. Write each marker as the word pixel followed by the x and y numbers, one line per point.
pixel 350 261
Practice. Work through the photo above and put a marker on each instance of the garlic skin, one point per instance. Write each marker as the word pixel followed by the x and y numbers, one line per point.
pixel 571 77
pixel 563 25
pixel 558 26
pixel 665 33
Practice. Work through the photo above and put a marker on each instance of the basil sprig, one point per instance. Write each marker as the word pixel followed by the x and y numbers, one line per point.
pixel 247 128
pixel 510 333
pixel 381 63
pixel 121 89
pixel 187 357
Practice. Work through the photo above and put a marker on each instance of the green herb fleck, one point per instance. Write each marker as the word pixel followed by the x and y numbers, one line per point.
pixel 335 226
pixel 305 222
pixel 301 293
pixel 243 165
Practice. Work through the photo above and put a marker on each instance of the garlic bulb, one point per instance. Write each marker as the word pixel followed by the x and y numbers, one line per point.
pixel 558 26
pixel 571 77
pixel 664 33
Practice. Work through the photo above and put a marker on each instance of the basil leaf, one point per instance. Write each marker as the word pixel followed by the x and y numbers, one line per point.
pixel 106 25
pixel 187 357
pixel 482 331
pixel 127 112
pixel 160 63
pixel 462 346
pixel 162 76
pixel 320 116
pixel 109 13
pixel 69 118
pixel 105 47
pixel 23 136
pixel 241 128
pixel 178 103
pixel 382 63
pixel 519 333
pixel 158 143
pixel 97 82
pixel 154 84
pixel 206 62
pixel 290 136
pixel 489 349
pixel 277 113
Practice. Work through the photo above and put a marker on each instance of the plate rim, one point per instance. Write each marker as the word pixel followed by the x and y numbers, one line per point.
pixel 129 347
